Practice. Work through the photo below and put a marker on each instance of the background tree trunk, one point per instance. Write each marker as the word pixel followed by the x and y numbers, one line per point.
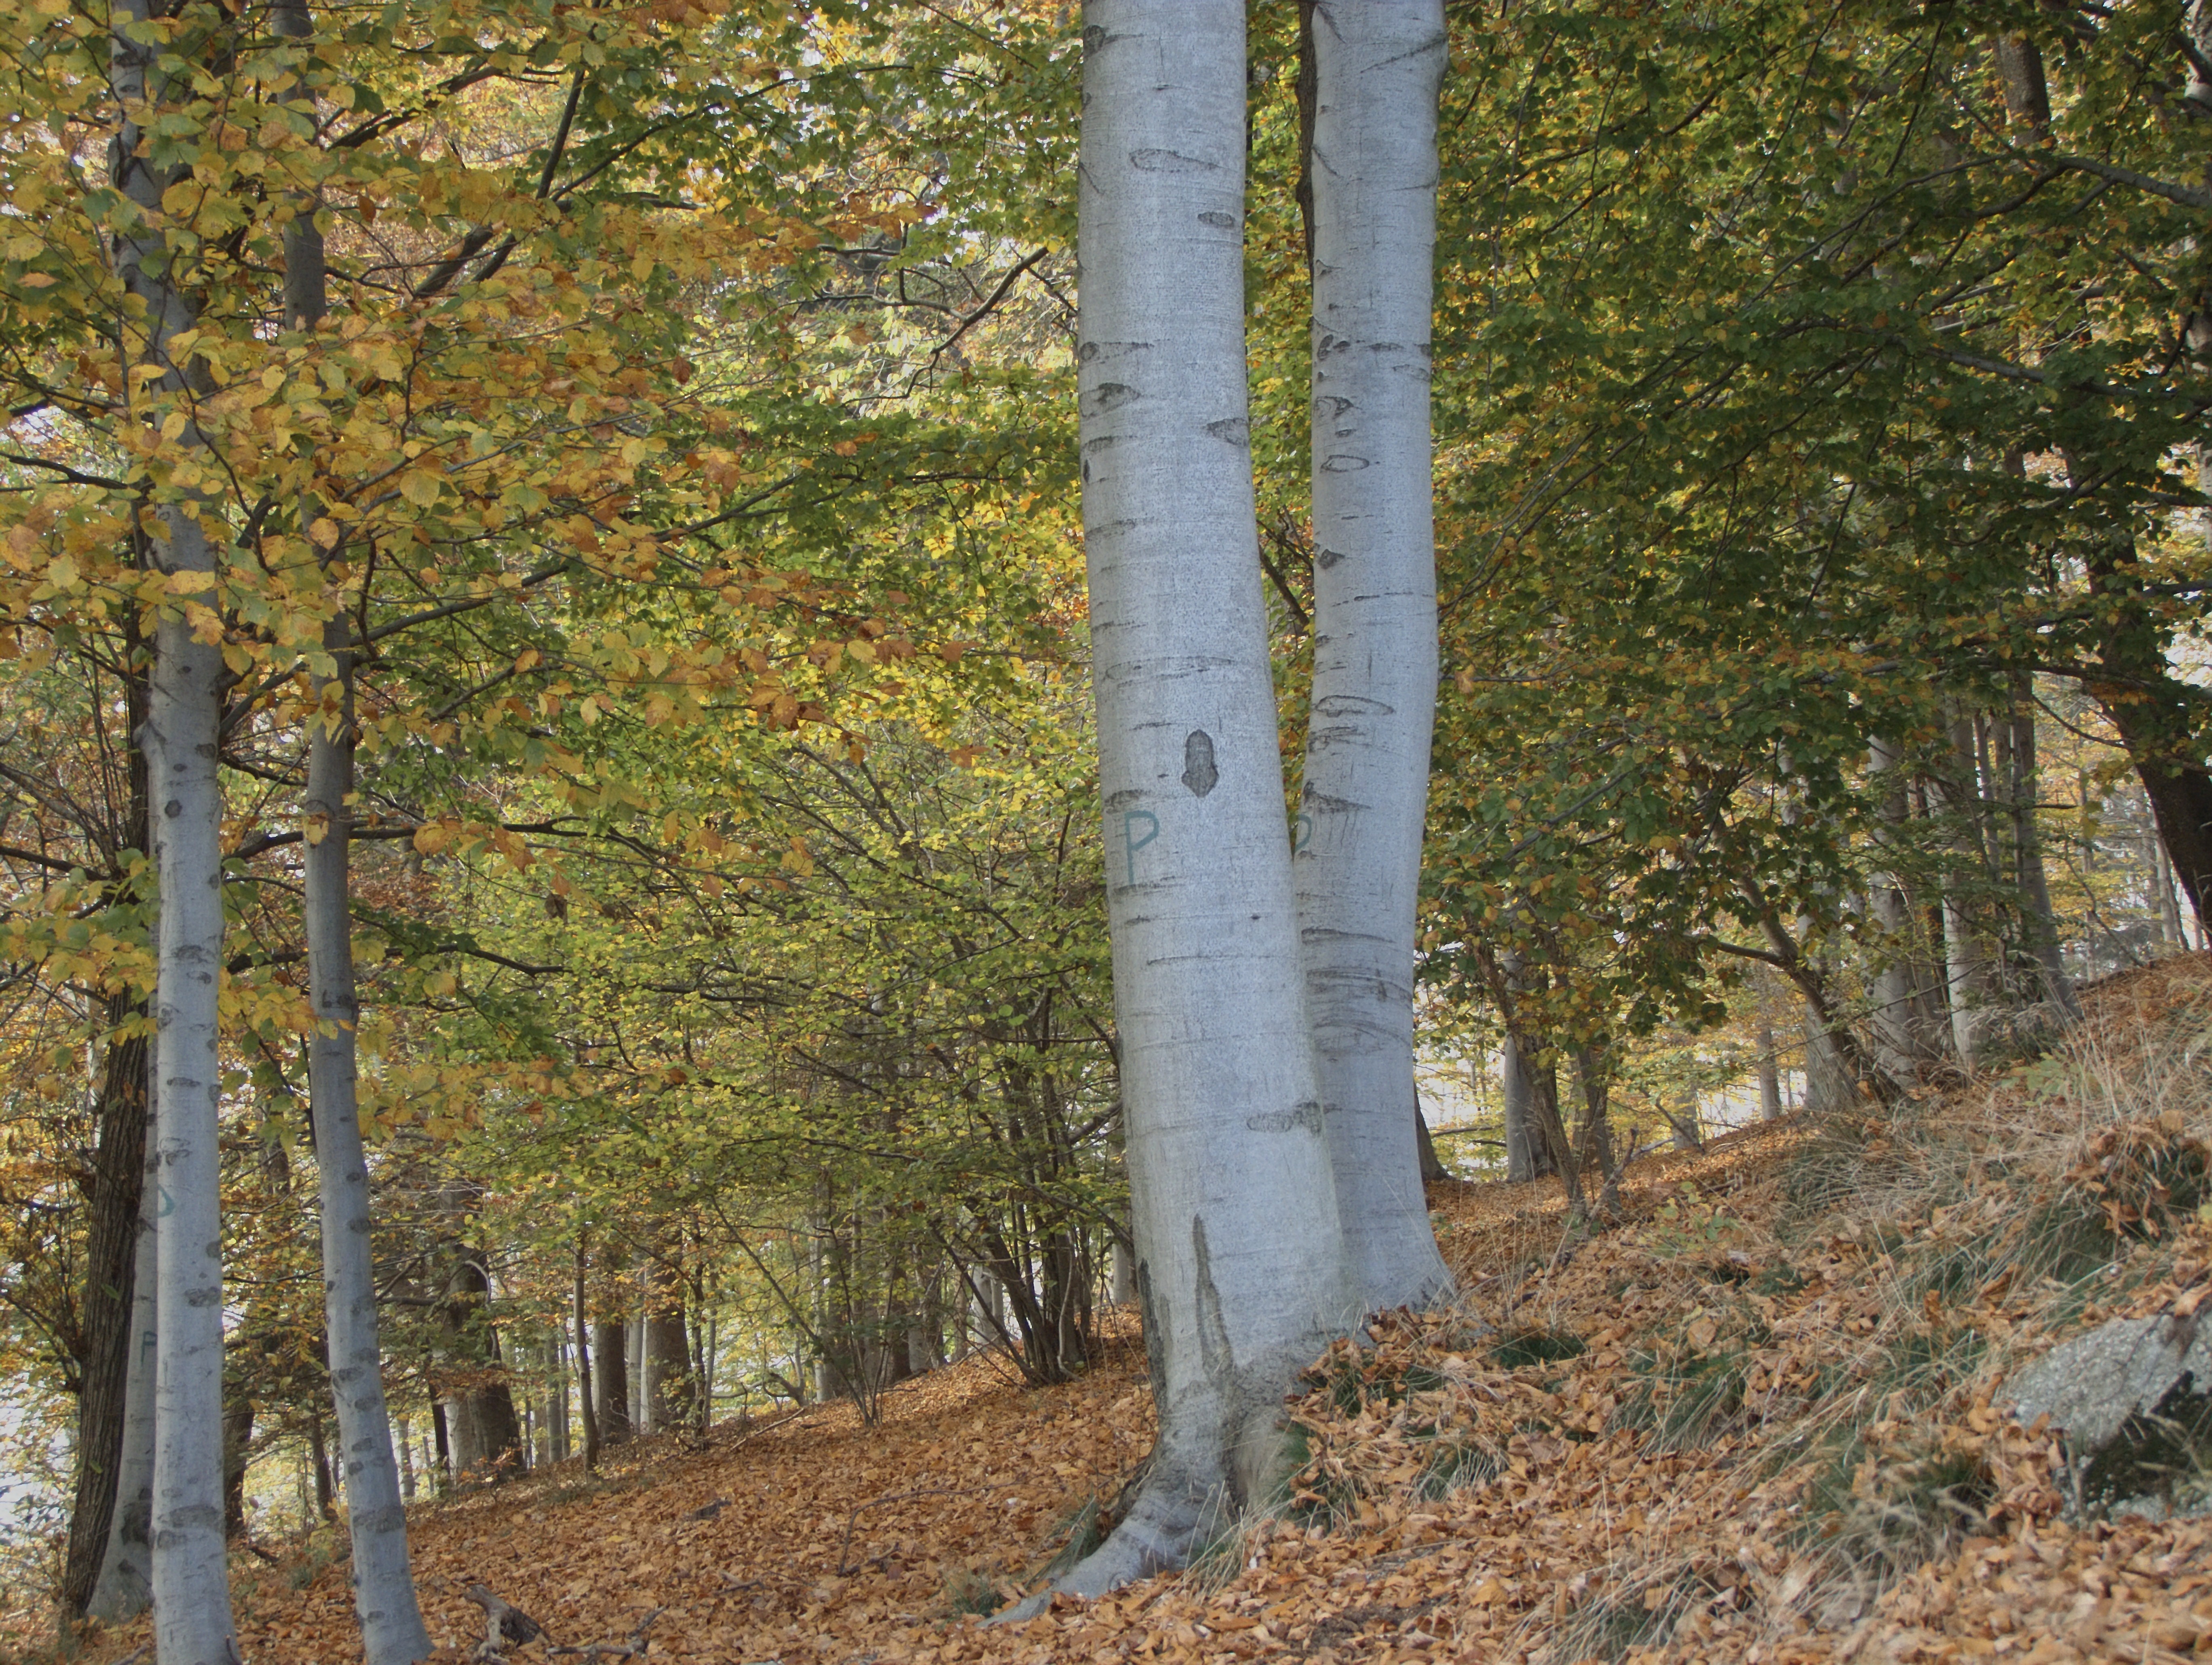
pixel 125 1586
pixel 111 1255
pixel 393 1632
pixel 611 1380
pixel 584 1396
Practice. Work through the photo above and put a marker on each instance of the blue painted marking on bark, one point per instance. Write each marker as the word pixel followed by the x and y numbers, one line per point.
pixel 1131 843
pixel 1303 834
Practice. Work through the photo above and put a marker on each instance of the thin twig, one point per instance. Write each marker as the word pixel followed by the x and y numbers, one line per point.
pixel 844 1572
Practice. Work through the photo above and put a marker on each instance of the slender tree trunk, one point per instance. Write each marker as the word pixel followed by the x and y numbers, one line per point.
pixel 1362 802
pixel 1524 1142
pixel 319 1465
pixel 1228 1155
pixel 1965 961
pixel 1770 1074
pixel 392 1632
pixel 125 1586
pixel 584 1397
pixel 2039 918
pixel 239 1411
pixel 191 1581
pixel 1433 1166
pixel 118 1166
pixel 1906 1030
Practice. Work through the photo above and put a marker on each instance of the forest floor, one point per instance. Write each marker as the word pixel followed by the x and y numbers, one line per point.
pixel 1760 1420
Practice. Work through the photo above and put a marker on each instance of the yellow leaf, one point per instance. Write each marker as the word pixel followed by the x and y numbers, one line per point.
pixel 37 280
pixel 190 583
pixel 420 487
pixel 325 532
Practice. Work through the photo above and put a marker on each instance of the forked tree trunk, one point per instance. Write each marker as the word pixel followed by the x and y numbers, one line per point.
pixel 1239 1267
pixel 1378 66
pixel 393 1632
pixel 190 1578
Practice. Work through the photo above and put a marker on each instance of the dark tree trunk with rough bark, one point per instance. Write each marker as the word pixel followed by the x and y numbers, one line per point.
pixel 111 1261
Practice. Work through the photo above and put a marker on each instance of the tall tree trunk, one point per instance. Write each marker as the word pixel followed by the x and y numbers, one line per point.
pixel 1239 1265
pixel 584 1396
pixel 2037 917
pixel 667 1353
pixel 1907 1023
pixel 611 1379
pixel 485 1432
pixel 392 1632
pixel 2156 713
pixel 111 1253
pixel 1966 960
pixel 192 1590
pixel 1433 1166
pixel 1770 1074
pixel 239 1411
pixel 1363 799
pixel 1526 1154
pixel 125 1586
pixel 113 1223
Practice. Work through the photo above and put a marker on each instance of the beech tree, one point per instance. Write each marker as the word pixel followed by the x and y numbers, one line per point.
pixel 1228 1147
pixel 1364 791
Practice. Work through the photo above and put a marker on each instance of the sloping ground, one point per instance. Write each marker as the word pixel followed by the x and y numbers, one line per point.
pixel 1760 1422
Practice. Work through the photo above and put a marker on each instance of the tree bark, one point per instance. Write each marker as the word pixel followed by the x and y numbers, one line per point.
pixel 1241 1282
pixel 584 1396
pixel 1527 1154
pixel 125 1586
pixel 190 1582
pixel 611 1380
pixel 1433 1166
pixel 1363 796
pixel 111 1252
pixel 392 1632
pixel 1770 1074
pixel 2032 879
pixel 1965 961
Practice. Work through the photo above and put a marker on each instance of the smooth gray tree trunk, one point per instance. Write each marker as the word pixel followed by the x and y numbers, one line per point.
pixel 1239 1266
pixel 391 1629
pixel 191 1576
pixel 1523 1141
pixel 1966 955
pixel 2036 915
pixel 1378 64
pixel 1770 1074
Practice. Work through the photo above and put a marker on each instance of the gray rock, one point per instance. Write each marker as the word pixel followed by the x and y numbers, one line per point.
pixel 2134 1399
